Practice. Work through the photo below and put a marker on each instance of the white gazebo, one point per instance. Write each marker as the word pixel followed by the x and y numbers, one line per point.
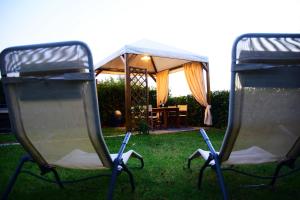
pixel 147 58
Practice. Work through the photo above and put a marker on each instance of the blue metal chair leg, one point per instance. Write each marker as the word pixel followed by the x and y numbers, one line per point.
pixel 13 179
pixel 125 168
pixel 206 164
pixel 112 182
pixel 217 167
pixel 220 178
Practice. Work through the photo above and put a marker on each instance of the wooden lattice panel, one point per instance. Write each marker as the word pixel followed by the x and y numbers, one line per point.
pixel 139 96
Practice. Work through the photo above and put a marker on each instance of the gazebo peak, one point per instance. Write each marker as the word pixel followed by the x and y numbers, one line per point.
pixel 146 45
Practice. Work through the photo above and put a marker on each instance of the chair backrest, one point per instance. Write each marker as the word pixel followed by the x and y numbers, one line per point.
pixel 264 100
pixel 152 114
pixel 51 96
pixel 182 108
pixel 150 108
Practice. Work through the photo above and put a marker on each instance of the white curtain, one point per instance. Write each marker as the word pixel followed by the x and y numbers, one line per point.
pixel 162 87
pixel 194 76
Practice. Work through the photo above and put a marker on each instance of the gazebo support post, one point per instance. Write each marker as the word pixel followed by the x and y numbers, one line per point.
pixel 208 96
pixel 127 94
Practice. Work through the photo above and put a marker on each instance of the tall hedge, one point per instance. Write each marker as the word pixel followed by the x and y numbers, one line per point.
pixel 219 108
pixel 111 97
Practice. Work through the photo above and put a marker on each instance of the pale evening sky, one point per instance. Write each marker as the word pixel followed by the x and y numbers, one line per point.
pixel 203 27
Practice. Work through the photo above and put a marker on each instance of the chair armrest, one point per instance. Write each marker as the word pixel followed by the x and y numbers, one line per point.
pixel 122 148
pixel 208 143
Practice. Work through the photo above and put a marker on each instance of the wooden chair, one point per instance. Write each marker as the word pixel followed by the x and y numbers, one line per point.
pixel 172 117
pixel 183 114
pixel 153 118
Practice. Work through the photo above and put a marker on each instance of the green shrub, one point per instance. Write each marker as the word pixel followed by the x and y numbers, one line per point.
pixel 152 97
pixel 143 127
pixel 111 97
pixel 219 108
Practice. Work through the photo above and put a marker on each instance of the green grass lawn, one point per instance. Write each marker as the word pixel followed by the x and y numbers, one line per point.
pixel 164 176
pixel 5 138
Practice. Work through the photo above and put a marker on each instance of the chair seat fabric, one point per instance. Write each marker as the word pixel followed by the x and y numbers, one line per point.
pixel 153 117
pixel 78 159
pixel 252 155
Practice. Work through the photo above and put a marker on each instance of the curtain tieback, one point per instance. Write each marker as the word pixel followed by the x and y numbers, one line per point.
pixel 207 115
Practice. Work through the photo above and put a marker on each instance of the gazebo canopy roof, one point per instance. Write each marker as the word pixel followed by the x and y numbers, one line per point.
pixel 160 57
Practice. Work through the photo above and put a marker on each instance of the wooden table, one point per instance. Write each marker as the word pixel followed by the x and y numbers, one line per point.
pixel 165 113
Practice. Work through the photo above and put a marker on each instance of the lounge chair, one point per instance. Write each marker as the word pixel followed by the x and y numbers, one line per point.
pixel 264 108
pixel 51 96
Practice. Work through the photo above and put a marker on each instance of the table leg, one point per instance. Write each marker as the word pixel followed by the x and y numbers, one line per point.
pixel 165 113
pixel 177 119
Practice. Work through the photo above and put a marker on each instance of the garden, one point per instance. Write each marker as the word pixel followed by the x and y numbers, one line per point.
pixel 165 175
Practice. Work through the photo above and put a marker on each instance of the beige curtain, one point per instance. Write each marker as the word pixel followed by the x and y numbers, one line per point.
pixel 162 87
pixel 194 76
